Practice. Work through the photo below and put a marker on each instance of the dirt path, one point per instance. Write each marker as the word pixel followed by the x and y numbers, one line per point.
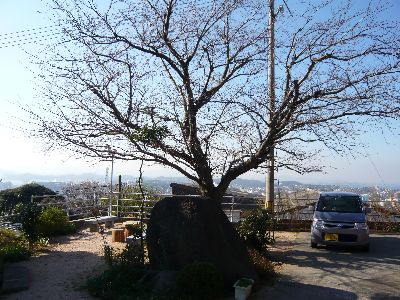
pixel 336 273
pixel 61 272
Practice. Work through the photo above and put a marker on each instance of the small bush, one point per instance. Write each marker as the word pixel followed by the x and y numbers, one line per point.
pixel 136 230
pixel 38 224
pixel 119 282
pixel 53 221
pixel 29 218
pixel 264 267
pixel 131 255
pixel 255 229
pixel 13 246
pixel 200 280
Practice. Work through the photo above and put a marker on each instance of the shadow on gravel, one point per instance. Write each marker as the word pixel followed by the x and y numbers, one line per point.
pixel 53 275
pixel 340 272
pixel 301 291
pixel 383 249
pixel 383 296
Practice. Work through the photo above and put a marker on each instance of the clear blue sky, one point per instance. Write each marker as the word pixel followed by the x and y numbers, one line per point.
pixel 19 153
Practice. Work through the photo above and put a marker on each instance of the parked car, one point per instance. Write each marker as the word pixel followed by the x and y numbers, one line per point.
pixel 340 219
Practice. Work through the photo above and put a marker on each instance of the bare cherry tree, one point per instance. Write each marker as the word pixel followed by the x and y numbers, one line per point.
pixel 183 83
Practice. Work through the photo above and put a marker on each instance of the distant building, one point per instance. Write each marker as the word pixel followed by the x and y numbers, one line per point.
pixel 364 197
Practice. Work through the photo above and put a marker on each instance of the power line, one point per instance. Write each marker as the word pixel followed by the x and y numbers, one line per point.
pixel 376 169
pixel 30 36
pixel 45 33
pixel 30 42
pixel 27 30
pixel 32 33
pixel 26 40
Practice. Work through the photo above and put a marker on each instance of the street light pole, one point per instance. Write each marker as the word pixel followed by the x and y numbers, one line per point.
pixel 269 182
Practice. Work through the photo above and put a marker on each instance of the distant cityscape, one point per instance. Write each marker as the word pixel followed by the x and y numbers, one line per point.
pixel 248 187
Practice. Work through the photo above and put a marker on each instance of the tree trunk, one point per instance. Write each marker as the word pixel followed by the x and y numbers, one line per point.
pixel 214 193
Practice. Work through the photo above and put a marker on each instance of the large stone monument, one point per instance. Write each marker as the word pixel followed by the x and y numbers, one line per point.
pixel 183 230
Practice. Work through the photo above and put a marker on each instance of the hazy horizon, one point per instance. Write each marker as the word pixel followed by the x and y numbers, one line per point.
pixel 18 178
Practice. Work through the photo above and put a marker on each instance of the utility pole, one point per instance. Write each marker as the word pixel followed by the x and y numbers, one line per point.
pixel 111 186
pixel 269 182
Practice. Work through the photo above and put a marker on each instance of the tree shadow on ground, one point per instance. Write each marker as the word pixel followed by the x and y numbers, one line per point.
pixel 373 274
pixel 289 289
pixel 383 249
pixel 384 296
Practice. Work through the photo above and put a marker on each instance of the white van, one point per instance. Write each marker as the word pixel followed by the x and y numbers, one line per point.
pixel 340 219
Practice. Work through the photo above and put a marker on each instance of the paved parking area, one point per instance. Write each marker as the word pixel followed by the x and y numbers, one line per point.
pixel 337 273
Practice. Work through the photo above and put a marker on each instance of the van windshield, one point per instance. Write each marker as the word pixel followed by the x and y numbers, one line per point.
pixel 344 204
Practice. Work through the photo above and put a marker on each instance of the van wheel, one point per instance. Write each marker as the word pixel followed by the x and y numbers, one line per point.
pixel 313 245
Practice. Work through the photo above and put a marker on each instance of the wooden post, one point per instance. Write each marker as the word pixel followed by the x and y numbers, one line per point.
pixel 118 235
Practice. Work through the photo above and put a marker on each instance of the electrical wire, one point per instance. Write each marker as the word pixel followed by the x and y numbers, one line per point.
pixel 47 33
pixel 29 36
pixel 27 30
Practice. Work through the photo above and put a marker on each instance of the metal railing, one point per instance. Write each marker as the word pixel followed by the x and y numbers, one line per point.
pixel 8 222
pixel 289 213
pixel 75 208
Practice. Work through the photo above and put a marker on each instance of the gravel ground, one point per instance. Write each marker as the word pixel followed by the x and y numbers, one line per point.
pixel 336 273
pixel 61 272
pixel 322 273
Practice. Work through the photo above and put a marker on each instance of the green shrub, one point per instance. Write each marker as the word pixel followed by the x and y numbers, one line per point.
pixel 53 221
pixel 264 267
pixel 255 229
pixel 136 230
pixel 119 282
pixel 29 218
pixel 131 255
pixel 200 280
pixel 37 224
pixel 13 246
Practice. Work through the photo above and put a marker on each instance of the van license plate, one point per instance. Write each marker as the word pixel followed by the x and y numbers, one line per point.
pixel 331 237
